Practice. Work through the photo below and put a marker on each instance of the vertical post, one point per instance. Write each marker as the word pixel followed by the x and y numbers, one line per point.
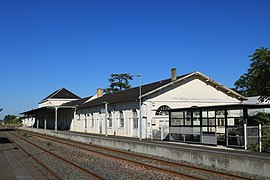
pixel 32 124
pixel 140 101
pixel 85 123
pixel 45 121
pixel 106 117
pixel 227 138
pixel 260 137
pixel 161 133
pixel 245 113
pixel 114 123
pixel 37 122
pixel 140 106
pixel 245 135
pixel 55 123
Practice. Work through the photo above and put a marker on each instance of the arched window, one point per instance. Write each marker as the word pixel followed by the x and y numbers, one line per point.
pixel 163 110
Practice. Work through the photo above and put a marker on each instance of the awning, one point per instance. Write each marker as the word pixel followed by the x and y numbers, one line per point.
pixel 46 108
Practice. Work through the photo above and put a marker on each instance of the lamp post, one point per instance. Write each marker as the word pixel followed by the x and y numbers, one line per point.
pixel 140 106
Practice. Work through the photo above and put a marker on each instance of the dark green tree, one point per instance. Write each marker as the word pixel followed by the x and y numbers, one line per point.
pixel 256 82
pixel 12 119
pixel 119 82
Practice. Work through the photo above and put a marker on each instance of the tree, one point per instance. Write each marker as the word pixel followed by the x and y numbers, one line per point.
pixel 256 82
pixel 12 119
pixel 119 82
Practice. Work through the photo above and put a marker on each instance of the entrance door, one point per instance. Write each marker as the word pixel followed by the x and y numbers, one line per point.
pixel 220 127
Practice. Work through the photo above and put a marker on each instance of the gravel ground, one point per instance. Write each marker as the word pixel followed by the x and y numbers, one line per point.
pixel 104 166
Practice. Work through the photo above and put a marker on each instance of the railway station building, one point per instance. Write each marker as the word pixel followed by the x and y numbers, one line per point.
pixel 119 113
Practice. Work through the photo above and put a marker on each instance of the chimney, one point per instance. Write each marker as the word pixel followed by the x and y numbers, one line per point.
pixel 99 92
pixel 173 70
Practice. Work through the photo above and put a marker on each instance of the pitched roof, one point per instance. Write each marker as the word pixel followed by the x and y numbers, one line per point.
pixel 133 93
pixel 127 95
pixel 76 102
pixel 62 93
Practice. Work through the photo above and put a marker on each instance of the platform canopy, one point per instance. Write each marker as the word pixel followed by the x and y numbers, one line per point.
pixel 33 112
pixel 226 106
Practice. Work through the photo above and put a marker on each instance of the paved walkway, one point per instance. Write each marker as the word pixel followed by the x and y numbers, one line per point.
pixel 14 164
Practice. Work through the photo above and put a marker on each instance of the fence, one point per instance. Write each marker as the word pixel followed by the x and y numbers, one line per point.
pixel 161 133
pixel 255 138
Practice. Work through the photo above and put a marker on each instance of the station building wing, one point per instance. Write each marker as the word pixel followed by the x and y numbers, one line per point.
pixel 62 93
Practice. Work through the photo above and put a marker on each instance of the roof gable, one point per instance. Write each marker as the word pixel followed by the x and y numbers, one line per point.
pixel 131 94
pixel 205 79
pixel 62 93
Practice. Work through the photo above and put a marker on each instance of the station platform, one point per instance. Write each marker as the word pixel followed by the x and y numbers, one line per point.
pixel 218 157
pixel 14 164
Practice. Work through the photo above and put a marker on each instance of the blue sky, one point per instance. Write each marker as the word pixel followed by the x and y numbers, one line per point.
pixel 46 45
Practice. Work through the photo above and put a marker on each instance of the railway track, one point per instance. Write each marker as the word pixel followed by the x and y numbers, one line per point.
pixel 46 167
pixel 150 162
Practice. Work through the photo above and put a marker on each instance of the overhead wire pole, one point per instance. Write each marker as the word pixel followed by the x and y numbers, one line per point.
pixel 140 106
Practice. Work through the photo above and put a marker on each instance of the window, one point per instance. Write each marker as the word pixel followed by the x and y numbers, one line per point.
pixel 163 110
pixel 135 119
pixel 110 119
pixel 92 119
pixel 121 119
pixel 177 118
pixel 185 118
pixel 196 118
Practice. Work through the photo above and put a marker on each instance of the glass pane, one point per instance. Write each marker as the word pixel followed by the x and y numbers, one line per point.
pixel 235 113
pixel 211 122
pixel 196 114
pixel 220 113
pixel 188 121
pixel 220 122
pixel 211 114
pixel 175 122
pixel 187 114
pixel 204 114
pixel 177 114
pixel 204 122
pixel 196 121
pixel 230 122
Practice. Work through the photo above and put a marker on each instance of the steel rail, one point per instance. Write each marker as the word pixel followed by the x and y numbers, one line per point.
pixel 91 174
pixel 166 171
pixel 50 172
pixel 175 164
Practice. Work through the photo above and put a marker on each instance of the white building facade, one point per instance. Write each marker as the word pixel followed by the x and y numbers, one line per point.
pixel 122 115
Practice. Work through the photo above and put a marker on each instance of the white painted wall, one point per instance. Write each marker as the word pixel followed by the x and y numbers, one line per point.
pixel 54 102
pixel 191 92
